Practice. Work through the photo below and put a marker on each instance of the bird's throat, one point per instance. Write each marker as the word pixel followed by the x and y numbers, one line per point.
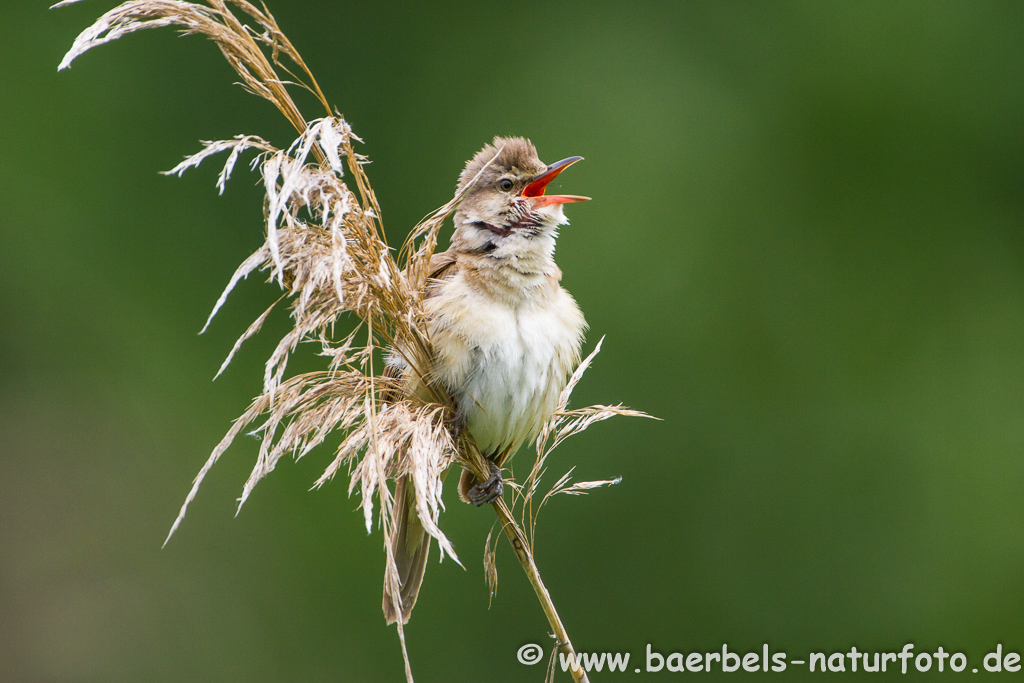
pixel 496 229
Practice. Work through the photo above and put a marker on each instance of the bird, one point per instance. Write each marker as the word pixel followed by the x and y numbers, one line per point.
pixel 505 334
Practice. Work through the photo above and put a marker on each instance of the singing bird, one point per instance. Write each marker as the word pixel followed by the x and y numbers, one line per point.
pixel 505 333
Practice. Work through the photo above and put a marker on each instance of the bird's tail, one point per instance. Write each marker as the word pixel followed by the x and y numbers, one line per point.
pixel 410 545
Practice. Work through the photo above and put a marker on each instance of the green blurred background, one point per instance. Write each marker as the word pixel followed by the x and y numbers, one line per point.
pixel 805 249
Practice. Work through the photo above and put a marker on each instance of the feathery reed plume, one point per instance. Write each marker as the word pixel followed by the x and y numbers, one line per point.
pixel 325 248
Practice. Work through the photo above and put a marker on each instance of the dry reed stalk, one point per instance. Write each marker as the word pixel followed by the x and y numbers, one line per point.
pixel 325 248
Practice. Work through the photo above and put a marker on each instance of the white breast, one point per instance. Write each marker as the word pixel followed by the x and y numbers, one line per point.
pixel 505 363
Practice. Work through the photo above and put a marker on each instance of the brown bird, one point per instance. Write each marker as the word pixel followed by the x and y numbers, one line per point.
pixel 505 334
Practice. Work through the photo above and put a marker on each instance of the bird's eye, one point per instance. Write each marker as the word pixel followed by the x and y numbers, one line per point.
pixel 505 185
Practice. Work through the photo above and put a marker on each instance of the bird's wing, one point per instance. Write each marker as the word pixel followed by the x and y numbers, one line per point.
pixel 443 266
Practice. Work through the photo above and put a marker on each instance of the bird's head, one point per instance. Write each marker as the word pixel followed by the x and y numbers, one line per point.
pixel 506 207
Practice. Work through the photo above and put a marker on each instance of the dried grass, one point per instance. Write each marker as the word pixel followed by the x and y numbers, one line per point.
pixel 325 248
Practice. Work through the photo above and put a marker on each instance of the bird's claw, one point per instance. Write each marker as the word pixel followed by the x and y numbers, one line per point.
pixel 455 424
pixel 483 492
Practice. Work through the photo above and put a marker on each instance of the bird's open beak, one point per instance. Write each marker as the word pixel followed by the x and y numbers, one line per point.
pixel 535 188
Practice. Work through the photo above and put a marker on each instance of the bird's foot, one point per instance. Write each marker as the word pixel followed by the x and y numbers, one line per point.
pixel 455 424
pixel 483 492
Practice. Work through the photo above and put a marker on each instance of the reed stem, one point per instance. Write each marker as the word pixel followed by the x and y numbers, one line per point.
pixel 521 547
